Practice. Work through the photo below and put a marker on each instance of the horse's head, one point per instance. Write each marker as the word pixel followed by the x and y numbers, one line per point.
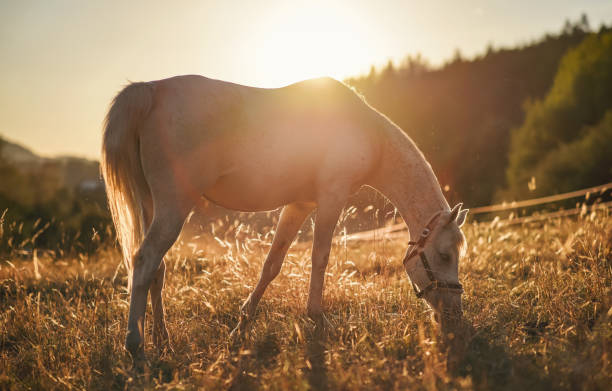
pixel 433 266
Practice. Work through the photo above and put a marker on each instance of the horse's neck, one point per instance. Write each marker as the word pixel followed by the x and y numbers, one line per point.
pixel 406 178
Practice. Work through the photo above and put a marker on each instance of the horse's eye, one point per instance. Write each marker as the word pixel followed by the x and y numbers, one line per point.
pixel 445 257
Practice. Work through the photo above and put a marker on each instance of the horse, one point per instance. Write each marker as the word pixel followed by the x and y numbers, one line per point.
pixel 303 147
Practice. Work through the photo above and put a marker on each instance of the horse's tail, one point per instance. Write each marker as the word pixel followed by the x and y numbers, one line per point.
pixel 126 186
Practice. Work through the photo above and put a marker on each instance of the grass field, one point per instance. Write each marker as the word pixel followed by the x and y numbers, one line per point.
pixel 538 297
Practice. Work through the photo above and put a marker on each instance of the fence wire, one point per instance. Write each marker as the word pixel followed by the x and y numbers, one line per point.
pixel 400 230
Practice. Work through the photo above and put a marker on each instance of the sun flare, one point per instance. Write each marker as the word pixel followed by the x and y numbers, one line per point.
pixel 293 44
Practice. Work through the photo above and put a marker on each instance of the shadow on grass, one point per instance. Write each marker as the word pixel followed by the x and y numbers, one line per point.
pixel 315 354
pixel 263 352
pixel 491 365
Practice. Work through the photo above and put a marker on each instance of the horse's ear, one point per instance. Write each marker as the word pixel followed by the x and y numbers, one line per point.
pixel 454 212
pixel 461 217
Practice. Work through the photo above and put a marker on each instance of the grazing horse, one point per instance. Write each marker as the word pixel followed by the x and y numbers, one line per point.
pixel 167 143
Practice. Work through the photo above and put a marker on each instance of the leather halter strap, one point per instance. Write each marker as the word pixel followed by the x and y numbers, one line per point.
pixel 418 248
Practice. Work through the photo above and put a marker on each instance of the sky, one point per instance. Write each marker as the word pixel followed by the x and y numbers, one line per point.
pixel 63 61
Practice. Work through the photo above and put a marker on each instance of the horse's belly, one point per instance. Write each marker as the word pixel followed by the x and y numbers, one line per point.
pixel 252 192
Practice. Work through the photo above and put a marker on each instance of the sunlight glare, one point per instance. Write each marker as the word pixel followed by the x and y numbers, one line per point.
pixel 299 43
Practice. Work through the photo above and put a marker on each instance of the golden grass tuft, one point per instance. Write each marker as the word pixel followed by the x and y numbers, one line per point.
pixel 538 295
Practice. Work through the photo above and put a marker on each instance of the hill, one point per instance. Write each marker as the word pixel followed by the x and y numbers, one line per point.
pixel 70 171
pixel 49 203
pixel 18 155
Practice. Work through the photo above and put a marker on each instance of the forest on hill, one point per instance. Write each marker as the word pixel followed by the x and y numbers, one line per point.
pixel 565 142
pixel 463 114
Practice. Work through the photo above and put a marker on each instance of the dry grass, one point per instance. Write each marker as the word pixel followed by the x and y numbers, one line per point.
pixel 539 297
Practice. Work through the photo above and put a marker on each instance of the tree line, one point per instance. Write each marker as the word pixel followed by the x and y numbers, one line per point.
pixel 476 121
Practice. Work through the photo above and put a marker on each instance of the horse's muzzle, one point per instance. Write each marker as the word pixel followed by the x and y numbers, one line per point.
pixel 448 310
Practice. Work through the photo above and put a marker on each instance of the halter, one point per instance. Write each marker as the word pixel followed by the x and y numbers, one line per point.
pixel 418 248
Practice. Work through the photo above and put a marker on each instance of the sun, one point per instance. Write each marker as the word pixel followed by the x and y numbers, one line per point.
pixel 296 43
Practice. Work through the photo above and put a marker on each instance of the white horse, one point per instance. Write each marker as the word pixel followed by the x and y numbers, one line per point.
pixel 167 143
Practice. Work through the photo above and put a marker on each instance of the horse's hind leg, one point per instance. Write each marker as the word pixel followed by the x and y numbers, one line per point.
pixel 290 221
pixel 168 219
pixel 161 339
pixel 328 211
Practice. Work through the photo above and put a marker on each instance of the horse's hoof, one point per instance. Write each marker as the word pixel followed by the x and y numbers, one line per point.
pixel 239 330
pixel 320 320
pixel 134 346
pixel 137 356
pixel 248 308
pixel 165 348
pixel 234 333
pixel 161 340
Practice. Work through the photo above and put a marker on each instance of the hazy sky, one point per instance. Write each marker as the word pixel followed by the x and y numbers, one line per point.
pixel 63 61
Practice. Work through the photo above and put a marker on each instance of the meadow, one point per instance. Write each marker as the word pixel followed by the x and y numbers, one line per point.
pixel 538 297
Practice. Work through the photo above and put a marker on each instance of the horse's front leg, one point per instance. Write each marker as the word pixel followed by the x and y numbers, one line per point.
pixel 291 219
pixel 328 211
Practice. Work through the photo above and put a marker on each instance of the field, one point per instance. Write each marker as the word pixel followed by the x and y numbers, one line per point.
pixel 538 297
